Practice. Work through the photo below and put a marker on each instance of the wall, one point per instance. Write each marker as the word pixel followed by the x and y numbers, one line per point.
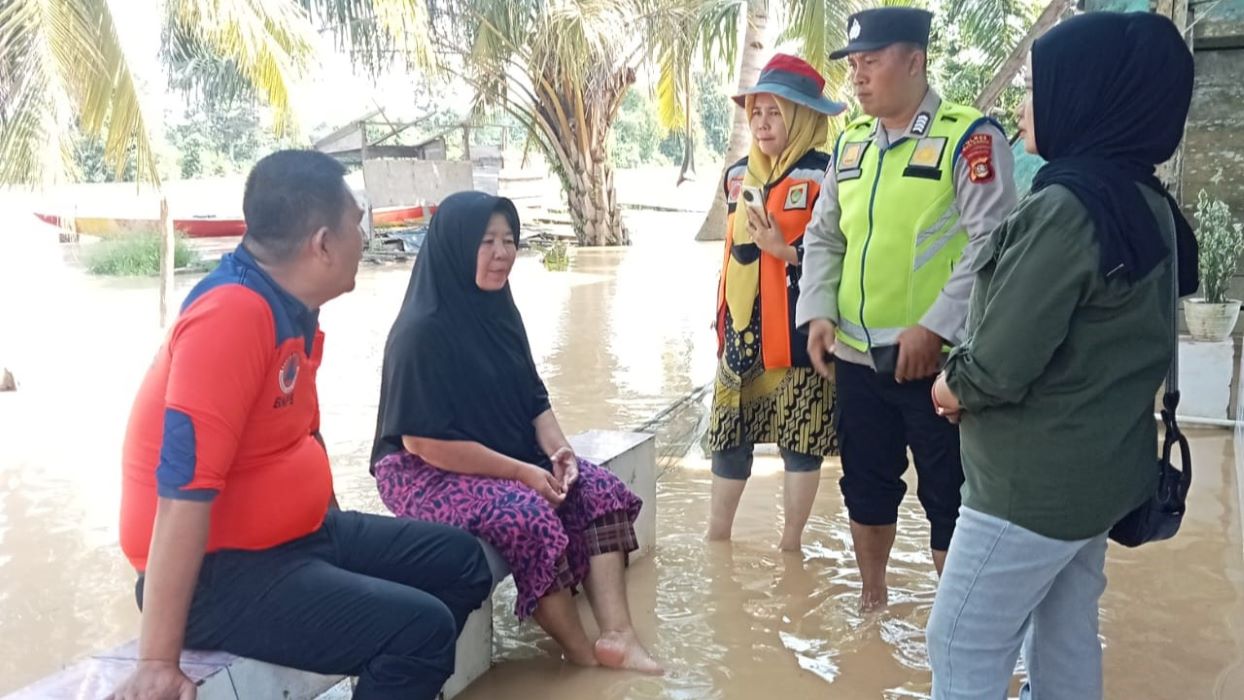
pixel 1215 136
pixel 396 182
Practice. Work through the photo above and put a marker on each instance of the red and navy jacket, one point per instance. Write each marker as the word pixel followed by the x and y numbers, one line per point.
pixel 229 413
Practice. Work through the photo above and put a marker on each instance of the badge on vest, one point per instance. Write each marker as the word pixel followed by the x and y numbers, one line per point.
pixel 978 152
pixel 920 126
pixel 736 187
pixel 926 159
pixel 796 197
pixel 852 158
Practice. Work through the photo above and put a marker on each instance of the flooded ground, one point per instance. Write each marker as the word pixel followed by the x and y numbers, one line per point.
pixel 618 338
pixel 742 621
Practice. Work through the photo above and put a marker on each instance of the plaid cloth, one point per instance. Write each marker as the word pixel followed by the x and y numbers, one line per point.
pixel 612 532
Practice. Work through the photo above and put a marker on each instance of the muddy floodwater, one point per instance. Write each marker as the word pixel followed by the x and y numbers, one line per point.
pixel 618 338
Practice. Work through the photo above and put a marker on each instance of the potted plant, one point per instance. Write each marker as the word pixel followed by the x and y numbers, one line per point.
pixel 1212 317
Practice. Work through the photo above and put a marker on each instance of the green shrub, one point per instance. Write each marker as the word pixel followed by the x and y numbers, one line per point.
pixel 1221 240
pixel 136 255
pixel 556 257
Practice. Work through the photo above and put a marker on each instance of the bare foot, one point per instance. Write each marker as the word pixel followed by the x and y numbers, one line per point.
pixel 718 534
pixel 791 544
pixel 622 650
pixel 874 600
pixel 582 657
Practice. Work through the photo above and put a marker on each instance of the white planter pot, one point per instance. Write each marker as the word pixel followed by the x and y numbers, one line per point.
pixel 1210 322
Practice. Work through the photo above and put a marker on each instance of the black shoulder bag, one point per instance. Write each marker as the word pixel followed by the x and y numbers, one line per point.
pixel 1159 517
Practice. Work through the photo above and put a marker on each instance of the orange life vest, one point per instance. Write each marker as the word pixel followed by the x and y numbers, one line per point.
pixel 789 202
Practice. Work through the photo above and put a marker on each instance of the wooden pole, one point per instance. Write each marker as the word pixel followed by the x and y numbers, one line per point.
pixel 1019 56
pixel 168 260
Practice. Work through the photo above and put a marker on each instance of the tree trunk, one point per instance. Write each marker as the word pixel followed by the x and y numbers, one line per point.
pixel 591 195
pixel 1172 171
pixel 1019 55
pixel 168 260
pixel 574 134
pixel 755 48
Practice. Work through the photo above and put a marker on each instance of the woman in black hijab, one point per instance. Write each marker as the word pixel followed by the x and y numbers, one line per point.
pixel 1070 335
pixel 466 437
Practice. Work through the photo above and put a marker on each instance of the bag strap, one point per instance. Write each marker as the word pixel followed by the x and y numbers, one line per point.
pixel 1170 400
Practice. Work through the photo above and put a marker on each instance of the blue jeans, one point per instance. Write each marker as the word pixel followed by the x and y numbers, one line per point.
pixel 1005 587
pixel 736 462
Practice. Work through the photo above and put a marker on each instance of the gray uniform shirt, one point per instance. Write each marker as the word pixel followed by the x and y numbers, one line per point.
pixel 982 207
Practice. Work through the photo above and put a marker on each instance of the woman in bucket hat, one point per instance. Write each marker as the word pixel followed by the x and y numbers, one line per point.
pixel 766 390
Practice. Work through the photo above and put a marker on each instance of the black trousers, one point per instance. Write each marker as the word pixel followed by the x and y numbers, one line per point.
pixel 365 595
pixel 878 419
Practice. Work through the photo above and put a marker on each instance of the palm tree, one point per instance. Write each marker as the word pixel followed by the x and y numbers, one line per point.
pixel 63 70
pixel 819 26
pixel 1011 66
pixel 709 29
pixel 989 29
pixel 559 67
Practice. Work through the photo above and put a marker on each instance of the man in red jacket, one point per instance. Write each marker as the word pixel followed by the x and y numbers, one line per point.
pixel 227 506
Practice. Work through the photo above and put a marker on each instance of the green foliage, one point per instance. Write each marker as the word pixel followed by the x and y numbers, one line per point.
pixel 638 138
pixel 556 257
pixel 88 155
pixel 136 255
pixel 971 39
pixel 636 134
pixel 224 139
pixel 716 118
pixel 671 148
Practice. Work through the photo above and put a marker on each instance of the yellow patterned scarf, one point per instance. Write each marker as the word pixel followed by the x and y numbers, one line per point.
pixel 805 130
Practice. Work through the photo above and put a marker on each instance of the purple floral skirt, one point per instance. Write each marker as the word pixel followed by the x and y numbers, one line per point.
pixel 547 549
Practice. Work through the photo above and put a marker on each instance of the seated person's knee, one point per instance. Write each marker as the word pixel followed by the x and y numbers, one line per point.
pixel 429 636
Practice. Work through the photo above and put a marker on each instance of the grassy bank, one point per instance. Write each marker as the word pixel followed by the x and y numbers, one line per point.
pixel 136 255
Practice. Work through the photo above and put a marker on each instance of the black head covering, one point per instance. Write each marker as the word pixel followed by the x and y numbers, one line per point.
pixel 457 364
pixel 877 28
pixel 1111 93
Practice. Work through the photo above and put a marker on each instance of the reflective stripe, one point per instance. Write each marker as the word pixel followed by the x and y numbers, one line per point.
pixel 879 336
pixel 807 174
pixel 951 211
pixel 935 248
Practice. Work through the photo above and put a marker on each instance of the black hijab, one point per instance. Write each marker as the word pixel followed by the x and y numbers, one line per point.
pixel 1111 93
pixel 457 364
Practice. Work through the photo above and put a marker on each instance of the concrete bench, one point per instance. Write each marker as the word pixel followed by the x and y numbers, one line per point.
pixel 223 676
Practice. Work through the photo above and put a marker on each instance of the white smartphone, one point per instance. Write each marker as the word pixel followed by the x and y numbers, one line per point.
pixel 754 197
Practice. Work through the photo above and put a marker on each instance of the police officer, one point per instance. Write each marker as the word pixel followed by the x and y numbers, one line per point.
pixel 915 188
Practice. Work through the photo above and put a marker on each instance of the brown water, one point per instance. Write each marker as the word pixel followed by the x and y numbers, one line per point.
pixel 617 338
pixel 742 620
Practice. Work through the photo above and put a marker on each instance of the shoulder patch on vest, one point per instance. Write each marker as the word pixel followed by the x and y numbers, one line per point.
pixel 978 153
pixel 926 158
pixel 851 159
pixel 920 127
pixel 796 197
pixel 734 186
pixel 853 155
pixel 928 153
